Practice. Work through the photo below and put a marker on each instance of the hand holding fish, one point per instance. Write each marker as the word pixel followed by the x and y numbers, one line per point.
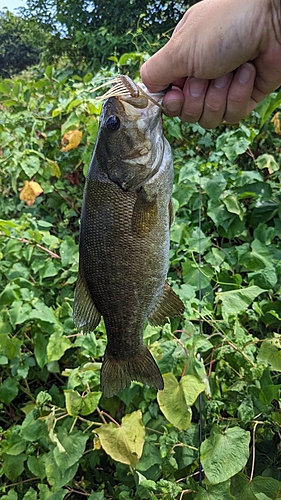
pixel 223 58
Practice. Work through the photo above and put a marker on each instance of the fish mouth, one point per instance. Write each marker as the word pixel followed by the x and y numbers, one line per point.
pixel 143 99
pixel 136 94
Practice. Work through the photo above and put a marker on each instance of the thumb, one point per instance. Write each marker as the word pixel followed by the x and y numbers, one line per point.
pixel 163 68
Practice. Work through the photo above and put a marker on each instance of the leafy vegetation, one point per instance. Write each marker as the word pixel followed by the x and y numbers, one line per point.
pixel 18 45
pixel 59 437
pixel 91 32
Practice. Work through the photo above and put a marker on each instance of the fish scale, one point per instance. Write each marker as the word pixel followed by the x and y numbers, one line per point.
pixel 124 240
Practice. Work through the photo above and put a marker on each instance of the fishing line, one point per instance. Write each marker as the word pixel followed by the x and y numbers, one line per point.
pixel 200 320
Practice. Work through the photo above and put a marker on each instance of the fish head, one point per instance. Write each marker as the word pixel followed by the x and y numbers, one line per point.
pixel 131 143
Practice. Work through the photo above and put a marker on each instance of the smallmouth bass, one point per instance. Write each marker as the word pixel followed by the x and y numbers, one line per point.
pixel 124 239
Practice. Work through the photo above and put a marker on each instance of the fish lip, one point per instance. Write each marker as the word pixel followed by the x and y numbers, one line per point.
pixel 145 98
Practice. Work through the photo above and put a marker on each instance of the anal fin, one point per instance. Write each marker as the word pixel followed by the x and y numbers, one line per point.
pixel 169 306
pixel 85 314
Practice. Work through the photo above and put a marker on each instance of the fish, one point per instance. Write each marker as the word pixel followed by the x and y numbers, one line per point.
pixel 124 240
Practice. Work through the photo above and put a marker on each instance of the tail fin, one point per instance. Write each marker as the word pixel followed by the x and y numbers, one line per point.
pixel 117 374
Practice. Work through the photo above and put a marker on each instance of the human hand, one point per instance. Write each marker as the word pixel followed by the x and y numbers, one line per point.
pixel 222 59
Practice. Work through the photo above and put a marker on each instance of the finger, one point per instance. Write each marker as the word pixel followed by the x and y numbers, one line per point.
pixel 215 102
pixel 162 68
pixel 194 95
pixel 173 101
pixel 239 99
pixel 268 68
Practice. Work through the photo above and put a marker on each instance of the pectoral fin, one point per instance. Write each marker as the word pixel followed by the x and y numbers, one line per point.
pixel 169 306
pixel 144 214
pixel 85 314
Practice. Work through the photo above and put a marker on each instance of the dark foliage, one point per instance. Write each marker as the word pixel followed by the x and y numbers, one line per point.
pixel 91 32
pixel 19 47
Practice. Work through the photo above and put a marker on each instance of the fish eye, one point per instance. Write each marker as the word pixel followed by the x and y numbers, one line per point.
pixel 112 122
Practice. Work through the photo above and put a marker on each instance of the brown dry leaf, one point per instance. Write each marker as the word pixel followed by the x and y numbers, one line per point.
pixel 30 191
pixel 71 139
pixel 276 122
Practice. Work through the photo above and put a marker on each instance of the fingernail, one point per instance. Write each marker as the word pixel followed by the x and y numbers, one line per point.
pixel 196 87
pixel 245 73
pixel 222 81
pixel 173 106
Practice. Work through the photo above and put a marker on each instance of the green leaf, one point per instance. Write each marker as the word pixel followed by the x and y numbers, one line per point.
pixel 19 313
pixel 8 390
pixel 246 409
pixel 215 186
pixel 266 278
pixel 215 492
pixel 72 122
pixel 13 466
pixel 49 269
pixel 99 495
pixel 235 302
pixel 177 397
pixel 174 128
pixel 58 495
pixel 124 443
pixel 74 446
pixel 15 446
pixel 40 349
pixel 57 477
pixel 267 161
pixel 12 495
pixel 42 312
pixel 57 346
pixel 69 252
pixel 235 146
pixel 46 494
pixel 5 88
pixel 192 274
pixel 270 353
pixel 49 71
pixel 76 404
pixel 224 453
pixel 30 165
pixel 10 347
pixel 30 494
pixel 32 430
pixel 36 466
pixel 150 456
pixel 233 205
pixel 269 393
pixel 260 488
pixel 188 450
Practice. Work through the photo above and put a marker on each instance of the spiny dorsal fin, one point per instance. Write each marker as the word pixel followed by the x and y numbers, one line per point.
pixel 169 306
pixel 85 314
pixel 144 215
